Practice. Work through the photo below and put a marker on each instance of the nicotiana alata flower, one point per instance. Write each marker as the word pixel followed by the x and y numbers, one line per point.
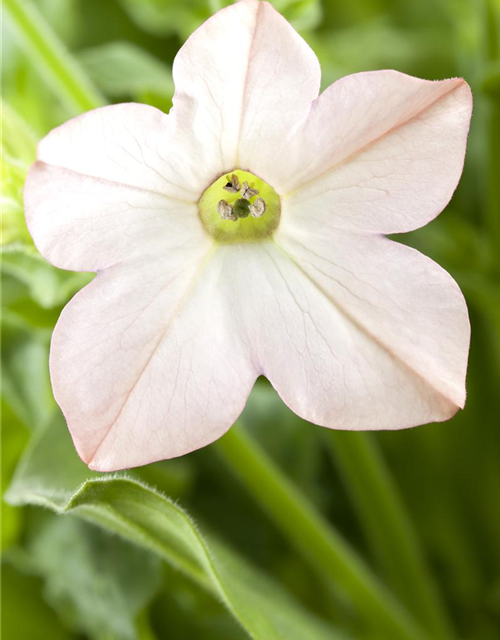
pixel 243 234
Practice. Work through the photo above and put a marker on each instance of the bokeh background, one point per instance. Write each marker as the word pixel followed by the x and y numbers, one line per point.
pixel 419 508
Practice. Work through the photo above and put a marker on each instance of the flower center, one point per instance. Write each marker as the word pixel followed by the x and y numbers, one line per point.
pixel 239 207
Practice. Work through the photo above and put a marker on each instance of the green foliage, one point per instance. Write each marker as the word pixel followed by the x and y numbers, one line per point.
pixel 88 583
pixel 17 153
pixel 51 475
pixel 25 615
pixel 14 439
pixel 190 612
pixel 18 140
pixel 303 14
pixel 48 287
pixel 164 17
pixel 26 385
pixel 124 69
pixel 50 57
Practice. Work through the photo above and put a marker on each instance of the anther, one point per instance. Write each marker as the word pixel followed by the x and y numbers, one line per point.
pixel 247 192
pixel 258 208
pixel 233 185
pixel 225 210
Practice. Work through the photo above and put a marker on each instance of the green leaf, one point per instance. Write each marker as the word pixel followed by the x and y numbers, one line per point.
pixel 303 14
pixel 25 615
pixel 98 583
pixel 18 150
pixel 13 229
pixel 123 69
pixel 25 378
pixel 14 438
pixel 51 475
pixel 183 610
pixel 490 79
pixel 161 17
pixel 18 139
pixel 49 287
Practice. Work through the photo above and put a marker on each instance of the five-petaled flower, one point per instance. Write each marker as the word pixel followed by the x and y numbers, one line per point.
pixel 243 234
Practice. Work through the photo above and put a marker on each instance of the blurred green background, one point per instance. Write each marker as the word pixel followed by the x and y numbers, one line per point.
pixel 418 509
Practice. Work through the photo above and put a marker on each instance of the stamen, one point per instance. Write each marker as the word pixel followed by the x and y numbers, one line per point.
pixel 258 208
pixel 232 208
pixel 233 185
pixel 247 192
pixel 225 211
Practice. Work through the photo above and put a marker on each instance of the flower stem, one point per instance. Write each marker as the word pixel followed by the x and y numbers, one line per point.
pixel 311 535
pixel 492 32
pixel 387 527
pixel 49 54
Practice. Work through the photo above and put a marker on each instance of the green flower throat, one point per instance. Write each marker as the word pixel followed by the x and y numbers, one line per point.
pixel 239 207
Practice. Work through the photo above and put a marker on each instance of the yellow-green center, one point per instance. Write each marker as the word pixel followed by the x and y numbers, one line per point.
pixel 240 207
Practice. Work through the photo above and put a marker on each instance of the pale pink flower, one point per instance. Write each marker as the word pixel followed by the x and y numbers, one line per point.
pixel 157 356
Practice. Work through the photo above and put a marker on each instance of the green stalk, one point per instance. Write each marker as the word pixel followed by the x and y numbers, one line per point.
pixel 49 55
pixel 492 39
pixel 311 535
pixel 494 172
pixel 387 527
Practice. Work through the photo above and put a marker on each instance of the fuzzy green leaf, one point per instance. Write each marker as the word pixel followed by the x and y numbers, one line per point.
pixel 51 475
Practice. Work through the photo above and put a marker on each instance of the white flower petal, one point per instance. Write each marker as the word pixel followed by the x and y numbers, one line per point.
pixel 380 152
pixel 129 144
pixel 382 346
pixel 146 363
pixel 243 81
pixel 83 223
pixel 403 299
